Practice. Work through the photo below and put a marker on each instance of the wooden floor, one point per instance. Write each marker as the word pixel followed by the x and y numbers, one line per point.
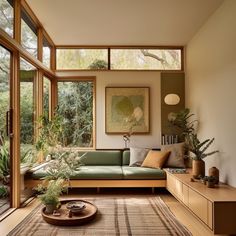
pixel 182 214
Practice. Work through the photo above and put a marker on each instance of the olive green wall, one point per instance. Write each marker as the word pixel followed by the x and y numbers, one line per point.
pixel 171 83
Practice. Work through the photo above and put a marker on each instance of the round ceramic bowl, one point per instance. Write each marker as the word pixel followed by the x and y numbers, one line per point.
pixel 75 206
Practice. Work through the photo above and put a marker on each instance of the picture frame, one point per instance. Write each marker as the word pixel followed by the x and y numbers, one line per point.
pixel 127 110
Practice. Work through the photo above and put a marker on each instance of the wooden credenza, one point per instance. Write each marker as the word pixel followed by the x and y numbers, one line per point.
pixel 215 207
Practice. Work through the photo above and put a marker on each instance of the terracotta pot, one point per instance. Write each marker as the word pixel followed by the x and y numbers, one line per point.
pixel 198 169
pixel 213 171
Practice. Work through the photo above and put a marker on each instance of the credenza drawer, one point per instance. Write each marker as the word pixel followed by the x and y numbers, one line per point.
pixel 198 204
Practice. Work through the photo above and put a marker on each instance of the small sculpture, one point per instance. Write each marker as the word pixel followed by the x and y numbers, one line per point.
pixel 126 138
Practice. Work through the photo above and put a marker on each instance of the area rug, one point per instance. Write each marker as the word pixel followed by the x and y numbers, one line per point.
pixel 118 216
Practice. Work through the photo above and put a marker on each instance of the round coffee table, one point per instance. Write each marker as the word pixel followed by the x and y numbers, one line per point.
pixel 64 219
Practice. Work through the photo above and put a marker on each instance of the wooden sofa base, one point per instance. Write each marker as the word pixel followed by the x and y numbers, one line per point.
pixel 105 183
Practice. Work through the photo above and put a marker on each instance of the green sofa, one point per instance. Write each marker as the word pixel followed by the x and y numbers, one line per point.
pixel 109 168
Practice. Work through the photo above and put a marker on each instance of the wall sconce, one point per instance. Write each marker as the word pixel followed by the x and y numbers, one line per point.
pixel 172 99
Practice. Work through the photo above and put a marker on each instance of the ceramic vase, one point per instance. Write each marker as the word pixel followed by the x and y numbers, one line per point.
pixel 198 169
pixel 213 171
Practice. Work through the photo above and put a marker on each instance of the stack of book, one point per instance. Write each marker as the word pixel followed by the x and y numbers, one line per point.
pixel 169 139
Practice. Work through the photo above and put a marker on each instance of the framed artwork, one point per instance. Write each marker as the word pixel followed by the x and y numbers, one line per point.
pixel 127 110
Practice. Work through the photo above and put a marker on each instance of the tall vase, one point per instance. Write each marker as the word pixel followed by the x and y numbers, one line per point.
pixel 198 169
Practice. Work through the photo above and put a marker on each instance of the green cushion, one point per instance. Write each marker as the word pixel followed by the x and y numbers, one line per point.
pixel 98 172
pixel 142 173
pixel 125 158
pixel 103 158
pixel 89 172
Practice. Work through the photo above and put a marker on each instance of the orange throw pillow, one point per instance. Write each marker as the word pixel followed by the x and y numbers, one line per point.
pixel 155 159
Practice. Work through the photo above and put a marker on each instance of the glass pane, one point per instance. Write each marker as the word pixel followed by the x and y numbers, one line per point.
pixel 27 115
pixel 6 16
pixel 146 59
pixel 94 59
pixel 46 53
pixel 46 96
pixel 75 100
pixel 29 39
pixel 4 139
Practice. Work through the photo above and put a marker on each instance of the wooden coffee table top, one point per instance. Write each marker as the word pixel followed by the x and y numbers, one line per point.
pixel 83 217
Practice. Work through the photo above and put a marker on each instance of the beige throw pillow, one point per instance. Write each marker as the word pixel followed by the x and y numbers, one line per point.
pixel 176 157
pixel 137 156
pixel 155 159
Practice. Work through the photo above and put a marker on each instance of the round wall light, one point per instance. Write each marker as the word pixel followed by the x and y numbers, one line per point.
pixel 172 99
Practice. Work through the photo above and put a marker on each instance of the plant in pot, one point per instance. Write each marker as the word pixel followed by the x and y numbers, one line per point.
pixel 187 128
pixel 57 178
pixel 199 149
pixel 50 192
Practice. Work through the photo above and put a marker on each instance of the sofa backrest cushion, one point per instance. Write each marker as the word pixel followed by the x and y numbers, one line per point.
pixel 126 158
pixel 101 158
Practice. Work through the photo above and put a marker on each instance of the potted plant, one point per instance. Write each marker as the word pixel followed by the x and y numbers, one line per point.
pixel 50 192
pixel 187 128
pixel 199 153
pixel 56 182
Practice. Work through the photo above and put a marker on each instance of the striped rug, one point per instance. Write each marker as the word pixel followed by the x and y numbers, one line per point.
pixel 117 216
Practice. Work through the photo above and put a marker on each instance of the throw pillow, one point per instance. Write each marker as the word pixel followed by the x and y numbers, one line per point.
pixel 155 159
pixel 137 156
pixel 176 158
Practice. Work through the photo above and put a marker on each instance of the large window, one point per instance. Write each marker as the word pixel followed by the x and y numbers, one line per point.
pixel 72 59
pixel 27 108
pixel 76 105
pixel 29 38
pixel 6 16
pixel 146 59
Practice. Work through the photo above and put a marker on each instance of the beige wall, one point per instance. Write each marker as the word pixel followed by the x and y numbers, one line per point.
pixel 130 79
pixel 211 86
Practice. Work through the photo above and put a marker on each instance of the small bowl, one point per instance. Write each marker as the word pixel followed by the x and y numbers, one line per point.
pixel 76 206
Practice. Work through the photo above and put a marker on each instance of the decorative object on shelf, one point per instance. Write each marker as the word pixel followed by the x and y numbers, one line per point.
pixel 211 181
pixel 127 110
pixel 172 99
pixel 126 138
pixel 213 171
pixel 169 139
pixel 198 168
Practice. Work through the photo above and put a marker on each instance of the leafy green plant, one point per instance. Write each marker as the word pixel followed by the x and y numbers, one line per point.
pixel 50 133
pixel 51 191
pixel 28 156
pixel 64 165
pixel 4 160
pixel 3 191
pixel 199 148
pixel 187 128
pixel 182 122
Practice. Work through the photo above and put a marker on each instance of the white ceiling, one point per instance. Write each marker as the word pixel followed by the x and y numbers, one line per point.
pixel 122 22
